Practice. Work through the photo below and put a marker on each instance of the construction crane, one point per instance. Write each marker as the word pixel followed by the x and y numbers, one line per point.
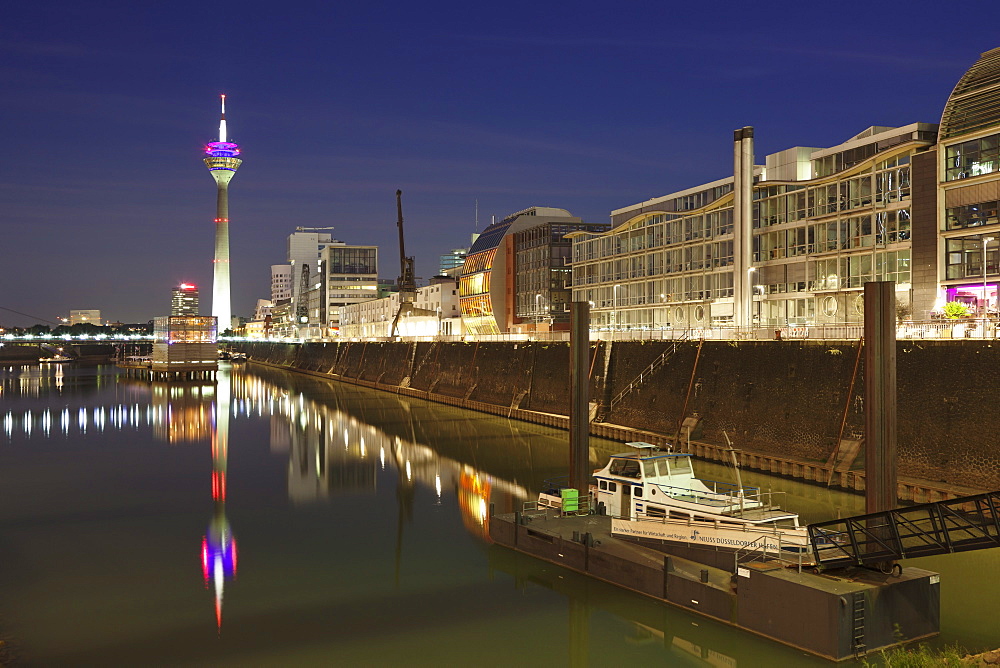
pixel 406 282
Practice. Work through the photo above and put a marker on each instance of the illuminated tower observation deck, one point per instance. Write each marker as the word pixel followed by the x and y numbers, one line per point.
pixel 222 163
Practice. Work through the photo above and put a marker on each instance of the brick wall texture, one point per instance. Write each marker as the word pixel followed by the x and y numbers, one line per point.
pixel 775 398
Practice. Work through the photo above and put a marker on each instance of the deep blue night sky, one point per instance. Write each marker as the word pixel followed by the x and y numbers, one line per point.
pixel 105 108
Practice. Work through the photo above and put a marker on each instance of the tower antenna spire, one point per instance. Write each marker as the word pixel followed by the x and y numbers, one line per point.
pixel 222 123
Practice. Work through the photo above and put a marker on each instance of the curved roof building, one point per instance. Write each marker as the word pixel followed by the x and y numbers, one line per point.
pixel 483 300
pixel 975 103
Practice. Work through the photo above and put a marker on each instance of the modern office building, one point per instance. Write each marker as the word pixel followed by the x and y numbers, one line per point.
pixel 281 282
pixel 486 283
pixel 349 276
pixel 965 167
pixel 434 312
pixel 184 300
pixel 304 251
pixel 792 242
pixel 453 258
pixel 542 274
pixel 387 286
pixel 263 309
pixel 222 162
pixel 85 316
pixel 282 320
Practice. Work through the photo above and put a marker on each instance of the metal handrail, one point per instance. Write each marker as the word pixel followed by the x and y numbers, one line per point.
pixel 653 366
pixel 713 494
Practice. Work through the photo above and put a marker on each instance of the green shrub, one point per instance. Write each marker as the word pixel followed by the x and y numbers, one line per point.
pixel 954 310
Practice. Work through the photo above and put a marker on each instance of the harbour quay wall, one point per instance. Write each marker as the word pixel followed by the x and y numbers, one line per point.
pixel 784 404
pixel 20 354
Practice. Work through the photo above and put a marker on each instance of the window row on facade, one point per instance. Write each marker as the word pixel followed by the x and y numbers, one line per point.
pixel 776 205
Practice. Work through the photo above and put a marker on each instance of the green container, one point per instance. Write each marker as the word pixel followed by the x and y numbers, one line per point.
pixel 570 500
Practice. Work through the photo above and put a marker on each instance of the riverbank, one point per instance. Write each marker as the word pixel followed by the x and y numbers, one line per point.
pixel 783 404
pixel 19 354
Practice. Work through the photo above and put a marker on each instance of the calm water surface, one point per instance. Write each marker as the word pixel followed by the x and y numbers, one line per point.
pixel 278 519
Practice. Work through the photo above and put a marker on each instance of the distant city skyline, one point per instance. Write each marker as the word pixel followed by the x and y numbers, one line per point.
pixel 102 201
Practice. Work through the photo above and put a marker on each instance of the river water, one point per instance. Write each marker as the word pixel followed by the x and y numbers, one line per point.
pixel 278 519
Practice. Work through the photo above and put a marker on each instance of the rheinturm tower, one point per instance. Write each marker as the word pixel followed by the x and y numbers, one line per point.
pixel 222 162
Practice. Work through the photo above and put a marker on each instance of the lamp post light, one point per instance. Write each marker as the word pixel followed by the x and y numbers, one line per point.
pixel 615 300
pixel 747 307
pixel 759 300
pixel 986 240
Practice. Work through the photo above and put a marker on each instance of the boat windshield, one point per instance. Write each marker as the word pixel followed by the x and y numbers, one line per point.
pixel 680 466
pixel 628 468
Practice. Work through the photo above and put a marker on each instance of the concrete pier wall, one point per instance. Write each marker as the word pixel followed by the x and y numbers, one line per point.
pixel 777 401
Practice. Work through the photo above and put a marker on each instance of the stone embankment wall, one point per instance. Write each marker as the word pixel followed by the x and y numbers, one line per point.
pixel 784 404
pixel 20 354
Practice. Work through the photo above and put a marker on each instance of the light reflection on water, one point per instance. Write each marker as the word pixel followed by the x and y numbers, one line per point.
pixel 362 526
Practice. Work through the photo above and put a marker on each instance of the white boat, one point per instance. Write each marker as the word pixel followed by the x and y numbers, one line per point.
pixel 654 494
pixel 56 359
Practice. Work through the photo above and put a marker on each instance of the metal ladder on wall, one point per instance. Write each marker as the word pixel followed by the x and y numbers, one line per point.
pixel 858 608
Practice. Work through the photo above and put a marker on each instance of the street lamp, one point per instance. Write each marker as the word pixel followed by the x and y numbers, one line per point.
pixel 986 240
pixel 615 300
pixel 747 307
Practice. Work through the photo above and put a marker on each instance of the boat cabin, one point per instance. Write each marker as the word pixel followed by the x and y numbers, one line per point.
pixel 626 475
pixel 649 483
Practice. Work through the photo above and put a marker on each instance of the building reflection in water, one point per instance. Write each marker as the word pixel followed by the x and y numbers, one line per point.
pixel 182 411
pixel 331 451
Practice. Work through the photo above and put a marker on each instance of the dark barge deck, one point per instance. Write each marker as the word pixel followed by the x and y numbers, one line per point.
pixel 837 615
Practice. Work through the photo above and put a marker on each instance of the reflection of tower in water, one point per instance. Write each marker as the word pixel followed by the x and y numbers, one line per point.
pixel 218 546
pixel 192 412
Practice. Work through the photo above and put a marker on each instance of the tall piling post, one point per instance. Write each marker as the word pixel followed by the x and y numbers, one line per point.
pixel 880 396
pixel 579 410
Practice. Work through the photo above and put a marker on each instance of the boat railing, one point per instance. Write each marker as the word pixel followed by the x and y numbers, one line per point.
pixel 555 483
pixel 728 493
pixel 551 497
pixel 716 523
pixel 764 550
pixel 731 486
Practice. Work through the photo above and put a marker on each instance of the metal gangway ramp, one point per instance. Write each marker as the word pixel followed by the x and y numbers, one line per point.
pixel 956 525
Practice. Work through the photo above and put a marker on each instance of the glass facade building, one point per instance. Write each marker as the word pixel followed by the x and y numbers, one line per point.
pixel 823 222
pixel 967 168
pixel 349 275
pixel 542 256
pixel 486 283
pixel 184 300
pixel 917 205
